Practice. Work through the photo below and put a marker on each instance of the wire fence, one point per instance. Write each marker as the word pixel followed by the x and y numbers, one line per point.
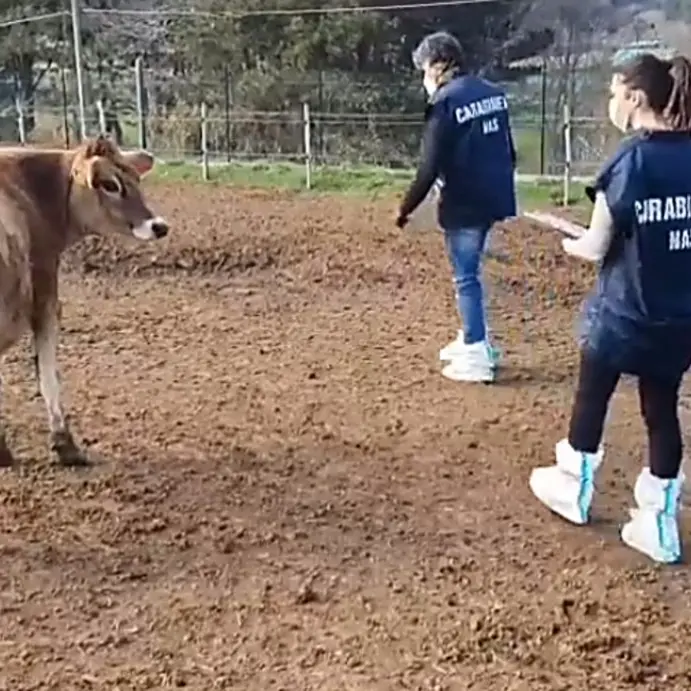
pixel 345 115
pixel 270 12
pixel 188 100
pixel 323 121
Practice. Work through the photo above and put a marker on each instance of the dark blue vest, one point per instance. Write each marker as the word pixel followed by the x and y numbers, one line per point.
pixel 477 177
pixel 646 274
pixel 640 311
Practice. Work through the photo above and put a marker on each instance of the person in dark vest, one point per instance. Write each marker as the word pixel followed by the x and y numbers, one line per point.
pixel 637 320
pixel 468 152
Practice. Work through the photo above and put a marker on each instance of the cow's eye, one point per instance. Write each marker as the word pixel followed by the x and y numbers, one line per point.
pixel 110 186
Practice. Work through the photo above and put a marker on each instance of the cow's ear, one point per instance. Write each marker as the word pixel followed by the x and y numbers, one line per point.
pixel 140 161
pixel 101 146
pixel 85 171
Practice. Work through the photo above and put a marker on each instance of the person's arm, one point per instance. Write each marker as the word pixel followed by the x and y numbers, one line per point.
pixel 514 157
pixel 433 145
pixel 613 194
pixel 593 244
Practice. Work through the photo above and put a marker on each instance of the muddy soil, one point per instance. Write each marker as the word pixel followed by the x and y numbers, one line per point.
pixel 287 494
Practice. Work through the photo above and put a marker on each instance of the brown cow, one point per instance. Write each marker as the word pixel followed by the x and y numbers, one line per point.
pixel 48 200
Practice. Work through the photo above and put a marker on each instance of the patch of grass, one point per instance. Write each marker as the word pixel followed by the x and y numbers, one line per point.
pixel 345 180
pixel 542 193
pixel 351 180
pixel 528 144
pixel 282 175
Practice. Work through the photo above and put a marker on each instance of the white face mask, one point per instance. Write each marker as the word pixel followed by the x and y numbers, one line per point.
pixel 430 85
pixel 620 114
pixel 621 106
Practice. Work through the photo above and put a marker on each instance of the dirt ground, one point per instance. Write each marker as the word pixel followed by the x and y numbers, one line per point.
pixel 288 495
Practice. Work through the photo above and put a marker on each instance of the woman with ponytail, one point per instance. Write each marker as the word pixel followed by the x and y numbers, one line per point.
pixel 638 317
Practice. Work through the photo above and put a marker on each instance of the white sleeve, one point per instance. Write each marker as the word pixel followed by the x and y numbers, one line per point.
pixel 595 242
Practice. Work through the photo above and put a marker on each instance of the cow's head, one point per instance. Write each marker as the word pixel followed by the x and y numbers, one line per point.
pixel 106 195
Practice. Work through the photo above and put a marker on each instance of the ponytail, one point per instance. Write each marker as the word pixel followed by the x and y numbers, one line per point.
pixel 678 109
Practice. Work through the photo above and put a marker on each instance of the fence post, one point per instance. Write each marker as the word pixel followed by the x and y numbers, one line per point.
pixel 205 142
pixel 76 12
pixel 101 116
pixel 21 124
pixel 141 100
pixel 307 133
pixel 226 103
pixel 543 118
pixel 65 107
pixel 567 153
pixel 321 151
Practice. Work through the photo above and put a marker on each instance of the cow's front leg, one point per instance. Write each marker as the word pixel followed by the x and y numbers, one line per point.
pixel 6 457
pixel 46 345
pixel 34 360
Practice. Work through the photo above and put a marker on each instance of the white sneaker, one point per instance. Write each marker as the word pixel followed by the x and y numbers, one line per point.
pixel 567 487
pixel 457 349
pixel 453 349
pixel 653 528
pixel 472 364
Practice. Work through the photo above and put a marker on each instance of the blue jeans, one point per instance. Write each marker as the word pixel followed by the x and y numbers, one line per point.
pixel 465 248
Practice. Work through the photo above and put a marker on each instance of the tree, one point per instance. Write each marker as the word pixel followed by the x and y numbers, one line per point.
pixel 111 45
pixel 574 61
pixel 28 50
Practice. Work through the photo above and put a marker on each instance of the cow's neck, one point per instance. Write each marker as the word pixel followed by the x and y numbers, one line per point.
pixel 75 229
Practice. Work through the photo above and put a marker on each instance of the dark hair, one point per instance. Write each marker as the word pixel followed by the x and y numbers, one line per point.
pixel 441 48
pixel 666 83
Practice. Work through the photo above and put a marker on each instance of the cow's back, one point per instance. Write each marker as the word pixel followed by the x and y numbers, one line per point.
pixel 33 195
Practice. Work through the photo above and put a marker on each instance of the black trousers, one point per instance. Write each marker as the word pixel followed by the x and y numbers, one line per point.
pixel 659 402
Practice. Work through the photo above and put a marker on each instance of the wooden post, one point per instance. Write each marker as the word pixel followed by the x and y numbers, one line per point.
pixel 65 107
pixel 141 101
pixel 226 104
pixel 568 161
pixel 101 116
pixel 205 142
pixel 21 124
pixel 307 133
pixel 543 119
